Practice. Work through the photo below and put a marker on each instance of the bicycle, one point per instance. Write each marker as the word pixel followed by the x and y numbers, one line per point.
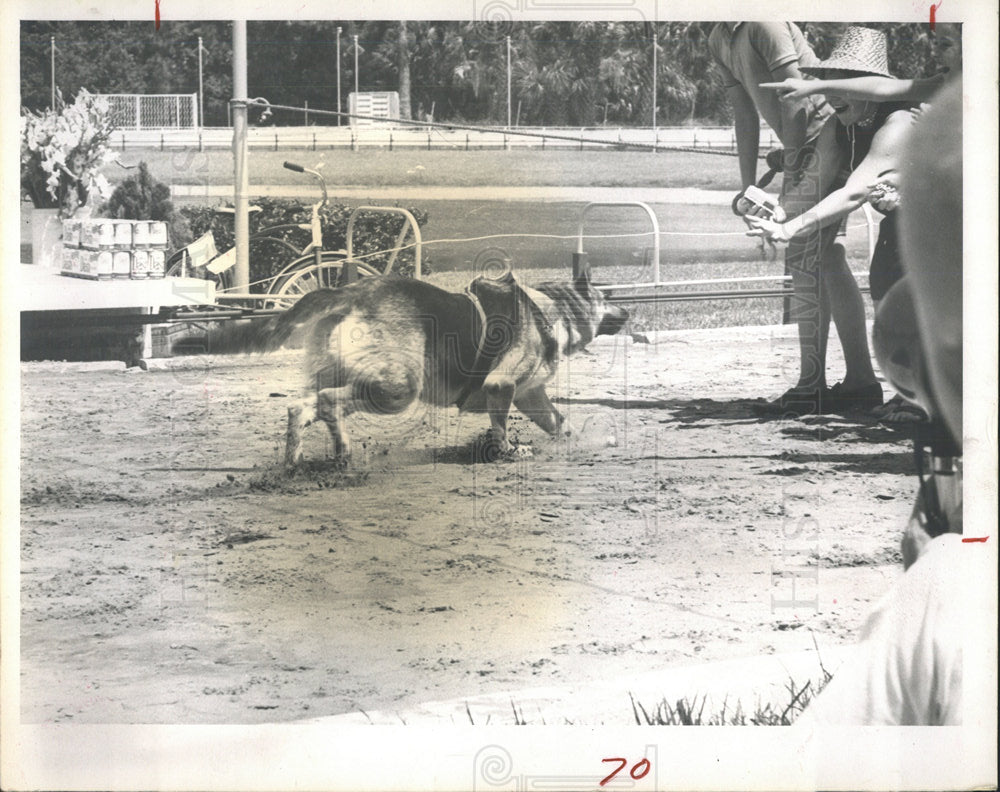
pixel 312 267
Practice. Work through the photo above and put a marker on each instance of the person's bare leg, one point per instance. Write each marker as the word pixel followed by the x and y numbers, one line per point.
pixel 848 311
pixel 807 312
pixel 807 259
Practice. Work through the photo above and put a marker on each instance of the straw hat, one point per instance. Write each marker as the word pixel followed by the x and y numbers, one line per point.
pixel 859 49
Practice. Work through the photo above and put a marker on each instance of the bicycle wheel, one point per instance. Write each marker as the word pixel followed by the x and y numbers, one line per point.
pixel 304 275
pixel 268 254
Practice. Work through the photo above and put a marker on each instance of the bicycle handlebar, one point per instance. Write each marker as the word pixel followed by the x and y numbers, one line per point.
pixel 318 176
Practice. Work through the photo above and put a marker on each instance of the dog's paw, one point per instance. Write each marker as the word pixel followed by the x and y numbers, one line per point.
pixel 488 448
pixel 520 452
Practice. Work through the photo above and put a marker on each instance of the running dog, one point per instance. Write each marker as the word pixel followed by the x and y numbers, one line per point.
pixel 379 344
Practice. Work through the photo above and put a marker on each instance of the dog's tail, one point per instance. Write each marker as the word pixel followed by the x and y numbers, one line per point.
pixel 265 334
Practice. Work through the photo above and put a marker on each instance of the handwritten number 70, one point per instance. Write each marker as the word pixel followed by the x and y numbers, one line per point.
pixel 639 770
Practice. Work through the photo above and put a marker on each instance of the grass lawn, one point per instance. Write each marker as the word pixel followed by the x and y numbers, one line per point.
pixel 447 168
pixel 697 241
pixel 540 238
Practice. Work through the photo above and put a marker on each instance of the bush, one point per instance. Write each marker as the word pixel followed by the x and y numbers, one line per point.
pixel 141 197
pixel 372 233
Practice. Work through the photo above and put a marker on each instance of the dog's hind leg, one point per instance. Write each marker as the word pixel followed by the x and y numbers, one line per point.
pixel 536 405
pixel 300 415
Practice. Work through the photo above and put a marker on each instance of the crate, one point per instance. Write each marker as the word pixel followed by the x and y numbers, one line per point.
pixel 163 336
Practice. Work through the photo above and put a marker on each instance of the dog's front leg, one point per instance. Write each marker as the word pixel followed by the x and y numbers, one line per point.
pixel 536 405
pixel 300 415
pixel 330 408
pixel 499 395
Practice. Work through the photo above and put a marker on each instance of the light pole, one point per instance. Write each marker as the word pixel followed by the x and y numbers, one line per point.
pixel 201 89
pixel 356 67
pixel 241 275
pixel 52 50
pixel 508 82
pixel 654 82
pixel 339 105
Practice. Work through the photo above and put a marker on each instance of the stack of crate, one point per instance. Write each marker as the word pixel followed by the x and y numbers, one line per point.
pixel 104 249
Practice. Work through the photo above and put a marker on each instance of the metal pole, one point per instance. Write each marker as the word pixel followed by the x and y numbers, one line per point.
pixel 356 67
pixel 508 82
pixel 201 90
pixel 241 275
pixel 52 48
pixel 339 105
pixel 654 81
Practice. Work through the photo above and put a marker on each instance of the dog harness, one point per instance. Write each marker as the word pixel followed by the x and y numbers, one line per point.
pixel 482 327
pixel 544 325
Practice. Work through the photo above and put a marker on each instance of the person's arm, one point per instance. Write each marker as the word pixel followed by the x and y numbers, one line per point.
pixel 747 124
pixel 881 157
pixel 868 88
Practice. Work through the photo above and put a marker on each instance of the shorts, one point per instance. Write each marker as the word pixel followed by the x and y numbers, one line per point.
pixel 807 163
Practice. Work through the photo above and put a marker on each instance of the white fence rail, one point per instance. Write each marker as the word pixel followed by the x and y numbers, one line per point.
pixel 309 137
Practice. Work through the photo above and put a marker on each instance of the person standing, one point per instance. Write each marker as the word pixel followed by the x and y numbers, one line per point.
pixel 750 54
pixel 915 646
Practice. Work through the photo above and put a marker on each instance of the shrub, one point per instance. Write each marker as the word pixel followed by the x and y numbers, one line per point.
pixel 372 233
pixel 141 197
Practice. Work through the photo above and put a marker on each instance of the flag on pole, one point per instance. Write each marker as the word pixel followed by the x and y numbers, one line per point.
pixel 201 251
pixel 223 262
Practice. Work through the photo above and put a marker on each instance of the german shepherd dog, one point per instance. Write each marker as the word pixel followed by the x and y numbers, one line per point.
pixel 379 344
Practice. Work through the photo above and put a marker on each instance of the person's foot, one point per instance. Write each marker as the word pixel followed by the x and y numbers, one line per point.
pixel 899 411
pixel 796 402
pixel 841 400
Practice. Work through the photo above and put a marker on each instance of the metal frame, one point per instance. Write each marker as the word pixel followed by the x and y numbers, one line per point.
pixel 652 219
pixel 725 294
pixel 411 223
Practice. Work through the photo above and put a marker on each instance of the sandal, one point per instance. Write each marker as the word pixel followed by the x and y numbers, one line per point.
pixel 796 402
pixel 841 400
pixel 899 411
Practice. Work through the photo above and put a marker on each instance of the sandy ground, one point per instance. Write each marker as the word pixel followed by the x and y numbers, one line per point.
pixel 172 574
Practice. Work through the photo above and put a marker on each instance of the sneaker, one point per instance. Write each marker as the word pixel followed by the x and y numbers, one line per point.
pixel 796 402
pixel 840 400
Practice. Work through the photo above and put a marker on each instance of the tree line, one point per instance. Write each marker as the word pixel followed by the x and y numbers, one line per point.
pixel 561 73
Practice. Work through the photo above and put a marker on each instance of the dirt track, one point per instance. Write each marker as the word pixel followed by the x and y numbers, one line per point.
pixel 172 574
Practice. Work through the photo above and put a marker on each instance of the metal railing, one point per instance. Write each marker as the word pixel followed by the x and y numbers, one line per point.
pixel 708 140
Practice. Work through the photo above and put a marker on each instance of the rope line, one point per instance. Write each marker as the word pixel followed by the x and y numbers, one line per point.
pixel 438 125
pixel 487 237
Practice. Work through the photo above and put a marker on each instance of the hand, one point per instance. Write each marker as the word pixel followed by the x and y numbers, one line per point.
pixel 767 229
pixel 793 89
pixel 884 194
pixel 741 205
pixel 916 113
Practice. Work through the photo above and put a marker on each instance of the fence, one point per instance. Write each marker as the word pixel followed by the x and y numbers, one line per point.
pixel 153 111
pixel 709 139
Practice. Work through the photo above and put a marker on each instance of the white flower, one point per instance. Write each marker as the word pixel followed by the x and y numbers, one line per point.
pixel 62 153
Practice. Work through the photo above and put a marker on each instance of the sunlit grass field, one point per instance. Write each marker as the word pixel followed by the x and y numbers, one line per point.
pixel 445 168
pixel 697 242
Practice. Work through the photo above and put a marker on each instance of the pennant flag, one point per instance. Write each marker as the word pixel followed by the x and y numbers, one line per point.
pixel 201 251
